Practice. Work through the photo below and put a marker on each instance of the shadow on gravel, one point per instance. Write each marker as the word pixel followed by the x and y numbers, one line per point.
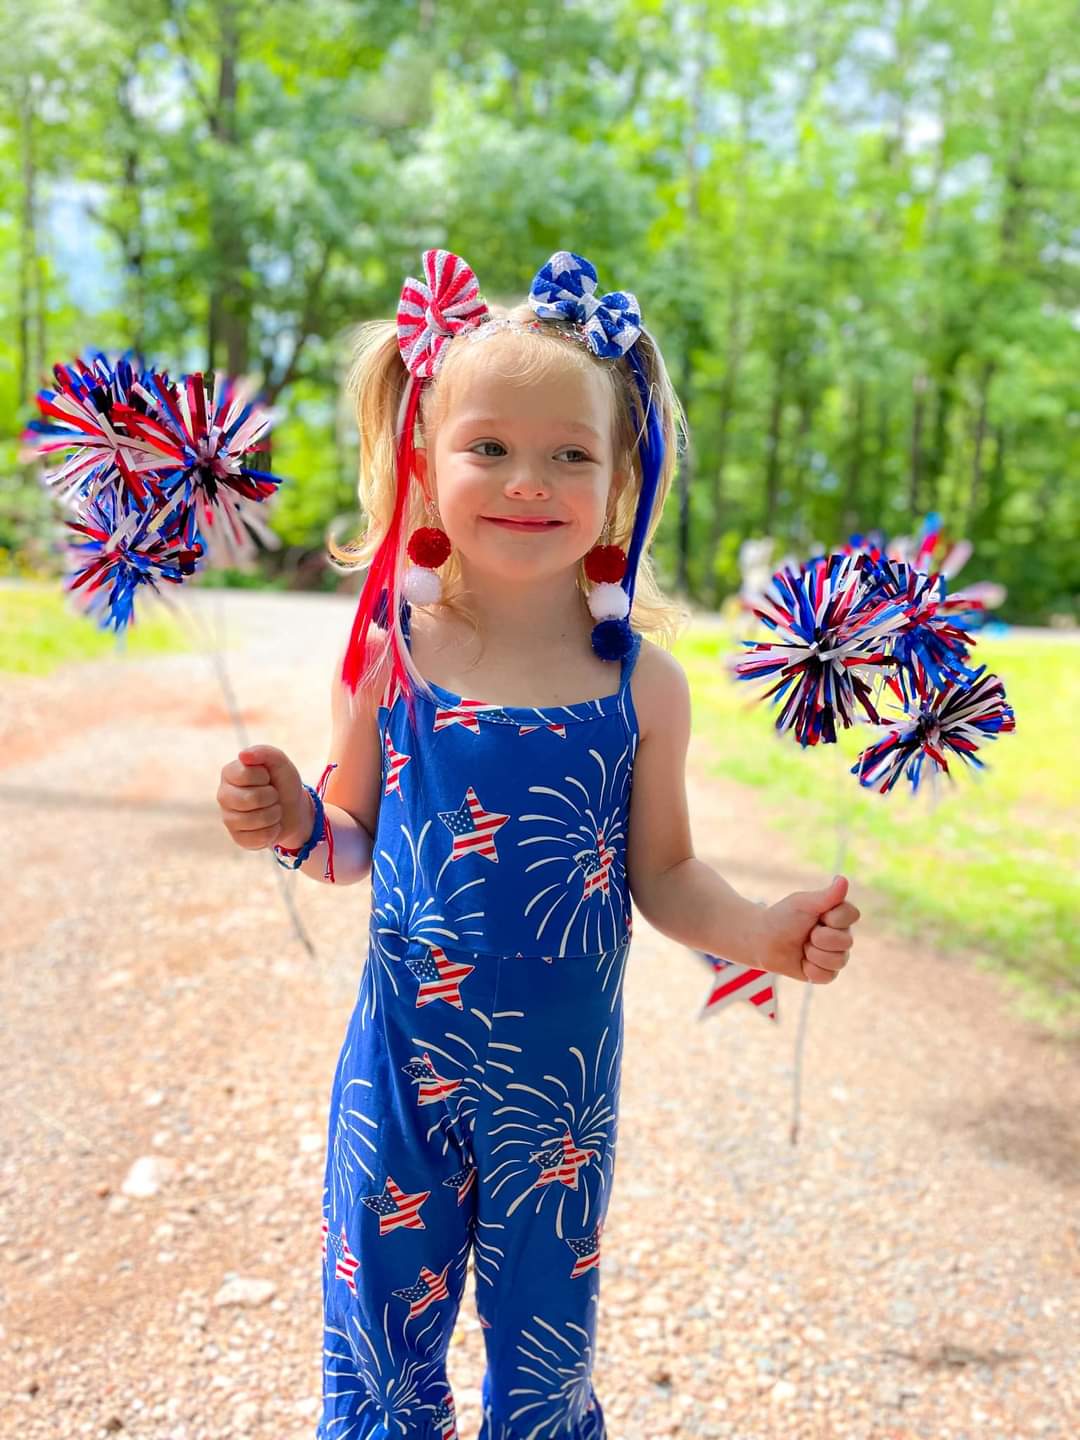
pixel 948 1356
pixel 1045 1138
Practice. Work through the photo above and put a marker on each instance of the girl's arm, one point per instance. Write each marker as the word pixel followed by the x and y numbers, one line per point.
pixel 351 797
pixel 805 936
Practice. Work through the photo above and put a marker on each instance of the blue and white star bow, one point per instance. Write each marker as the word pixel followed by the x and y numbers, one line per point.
pixel 565 288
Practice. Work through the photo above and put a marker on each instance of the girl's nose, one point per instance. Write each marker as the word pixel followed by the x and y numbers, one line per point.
pixel 528 485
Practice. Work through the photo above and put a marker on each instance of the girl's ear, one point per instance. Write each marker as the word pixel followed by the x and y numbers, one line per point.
pixel 420 461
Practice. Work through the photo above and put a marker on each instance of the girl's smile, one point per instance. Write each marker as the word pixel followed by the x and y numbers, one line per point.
pixel 524 522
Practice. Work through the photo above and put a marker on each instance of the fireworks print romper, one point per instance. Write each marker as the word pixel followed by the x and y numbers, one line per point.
pixel 474 1104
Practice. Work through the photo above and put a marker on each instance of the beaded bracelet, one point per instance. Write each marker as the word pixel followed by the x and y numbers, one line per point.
pixel 297 857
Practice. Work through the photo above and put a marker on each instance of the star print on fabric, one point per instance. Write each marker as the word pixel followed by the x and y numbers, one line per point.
pixel 733 982
pixel 561 1161
pixel 391 690
pixel 395 1209
pixel 433 1086
pixel 586 1252
pixel 595 863
pixel 345 1262
pixel 462 1181
pixel 473 828
pixel 444 1419
pixel 439 976
pixel 559 730
pixel 396 760
pixel 465 713
pixel 429 1287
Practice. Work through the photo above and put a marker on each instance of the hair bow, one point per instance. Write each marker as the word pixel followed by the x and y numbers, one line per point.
pixel 431 314
pixel 566 289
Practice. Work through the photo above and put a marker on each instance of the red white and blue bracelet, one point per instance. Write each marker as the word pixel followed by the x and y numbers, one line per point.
pixel 320 830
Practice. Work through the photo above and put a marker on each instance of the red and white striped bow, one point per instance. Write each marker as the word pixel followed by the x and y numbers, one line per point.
pixel 431 314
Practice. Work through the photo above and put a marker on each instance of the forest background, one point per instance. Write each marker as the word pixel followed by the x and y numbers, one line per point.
pixel 852 224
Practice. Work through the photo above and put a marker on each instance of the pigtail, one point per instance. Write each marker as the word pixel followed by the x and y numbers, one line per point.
pixel 392 365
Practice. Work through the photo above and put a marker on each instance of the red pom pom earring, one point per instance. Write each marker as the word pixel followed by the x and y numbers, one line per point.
pixel 605 566
pixel 428 548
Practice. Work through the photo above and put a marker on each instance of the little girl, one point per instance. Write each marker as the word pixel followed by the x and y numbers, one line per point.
pixel 474 1105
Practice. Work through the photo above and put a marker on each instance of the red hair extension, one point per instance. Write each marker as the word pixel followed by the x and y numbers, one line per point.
pixel 382 574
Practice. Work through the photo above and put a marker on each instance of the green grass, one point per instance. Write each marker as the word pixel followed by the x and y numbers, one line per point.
pixel 988 868
pixel 40 629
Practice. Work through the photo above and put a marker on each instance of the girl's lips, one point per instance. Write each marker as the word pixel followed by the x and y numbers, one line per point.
pixel 523 524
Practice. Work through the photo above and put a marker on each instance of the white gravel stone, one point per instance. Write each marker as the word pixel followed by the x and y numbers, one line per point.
pixel 147 1175
pixel 244 1291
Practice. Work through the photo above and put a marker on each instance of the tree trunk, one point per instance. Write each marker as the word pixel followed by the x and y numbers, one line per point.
pixel 229 319
pixel 852 497
pixel 25 387
pixel 881 453
pixel 919 386
pixel 975 493
pixel 776 421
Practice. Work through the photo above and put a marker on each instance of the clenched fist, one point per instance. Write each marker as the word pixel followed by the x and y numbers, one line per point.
pixel 808 934
pixel 263 801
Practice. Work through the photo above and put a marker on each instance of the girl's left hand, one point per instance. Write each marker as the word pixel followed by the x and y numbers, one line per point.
pixel 808 933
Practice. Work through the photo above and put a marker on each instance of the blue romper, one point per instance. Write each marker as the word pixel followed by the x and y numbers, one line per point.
pixel 474 1104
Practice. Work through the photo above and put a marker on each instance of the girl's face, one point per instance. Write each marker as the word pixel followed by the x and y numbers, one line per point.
pixel 523 472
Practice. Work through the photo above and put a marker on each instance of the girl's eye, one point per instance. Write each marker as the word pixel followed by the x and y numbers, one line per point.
pixel 574 451
pixel 479 446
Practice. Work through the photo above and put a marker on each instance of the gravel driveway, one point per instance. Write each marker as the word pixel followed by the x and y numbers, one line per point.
pixel 909 1269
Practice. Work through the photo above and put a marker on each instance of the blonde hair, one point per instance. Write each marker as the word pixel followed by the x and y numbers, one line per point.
pixel 376 381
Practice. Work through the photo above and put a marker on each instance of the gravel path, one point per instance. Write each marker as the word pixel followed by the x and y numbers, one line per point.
pixel 910 1269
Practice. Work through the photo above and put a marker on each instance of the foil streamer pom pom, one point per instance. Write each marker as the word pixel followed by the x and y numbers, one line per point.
pixel 116 556
pixel 156 472
pixel 828 626
pixel 203 431
pixel 954 720
pixel 98 413
pixel 931 648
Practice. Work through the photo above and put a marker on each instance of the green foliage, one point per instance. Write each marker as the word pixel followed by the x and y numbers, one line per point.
pixel 853 235
pixel 40 629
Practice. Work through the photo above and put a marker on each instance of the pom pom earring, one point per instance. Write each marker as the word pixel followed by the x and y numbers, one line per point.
pixel 609 604
pixel 428 548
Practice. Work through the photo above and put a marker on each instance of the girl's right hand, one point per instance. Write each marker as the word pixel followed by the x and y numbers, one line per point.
pixel 263 801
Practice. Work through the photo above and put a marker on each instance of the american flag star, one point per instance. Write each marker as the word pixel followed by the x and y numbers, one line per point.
pixel 596 864
pixel 739 982
pixel 462 1181
pixel 433 1086
pixel 396 1209
pixel 465 713
pixel 345 1262
pixel 586 1252
pixel 396 760
pixel 559 730
pixel 429 1287
pixel 563 263
pixel 561 1161
pixel 439 976
pixel 473 828
pixel 444 1420
pixel 391 691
